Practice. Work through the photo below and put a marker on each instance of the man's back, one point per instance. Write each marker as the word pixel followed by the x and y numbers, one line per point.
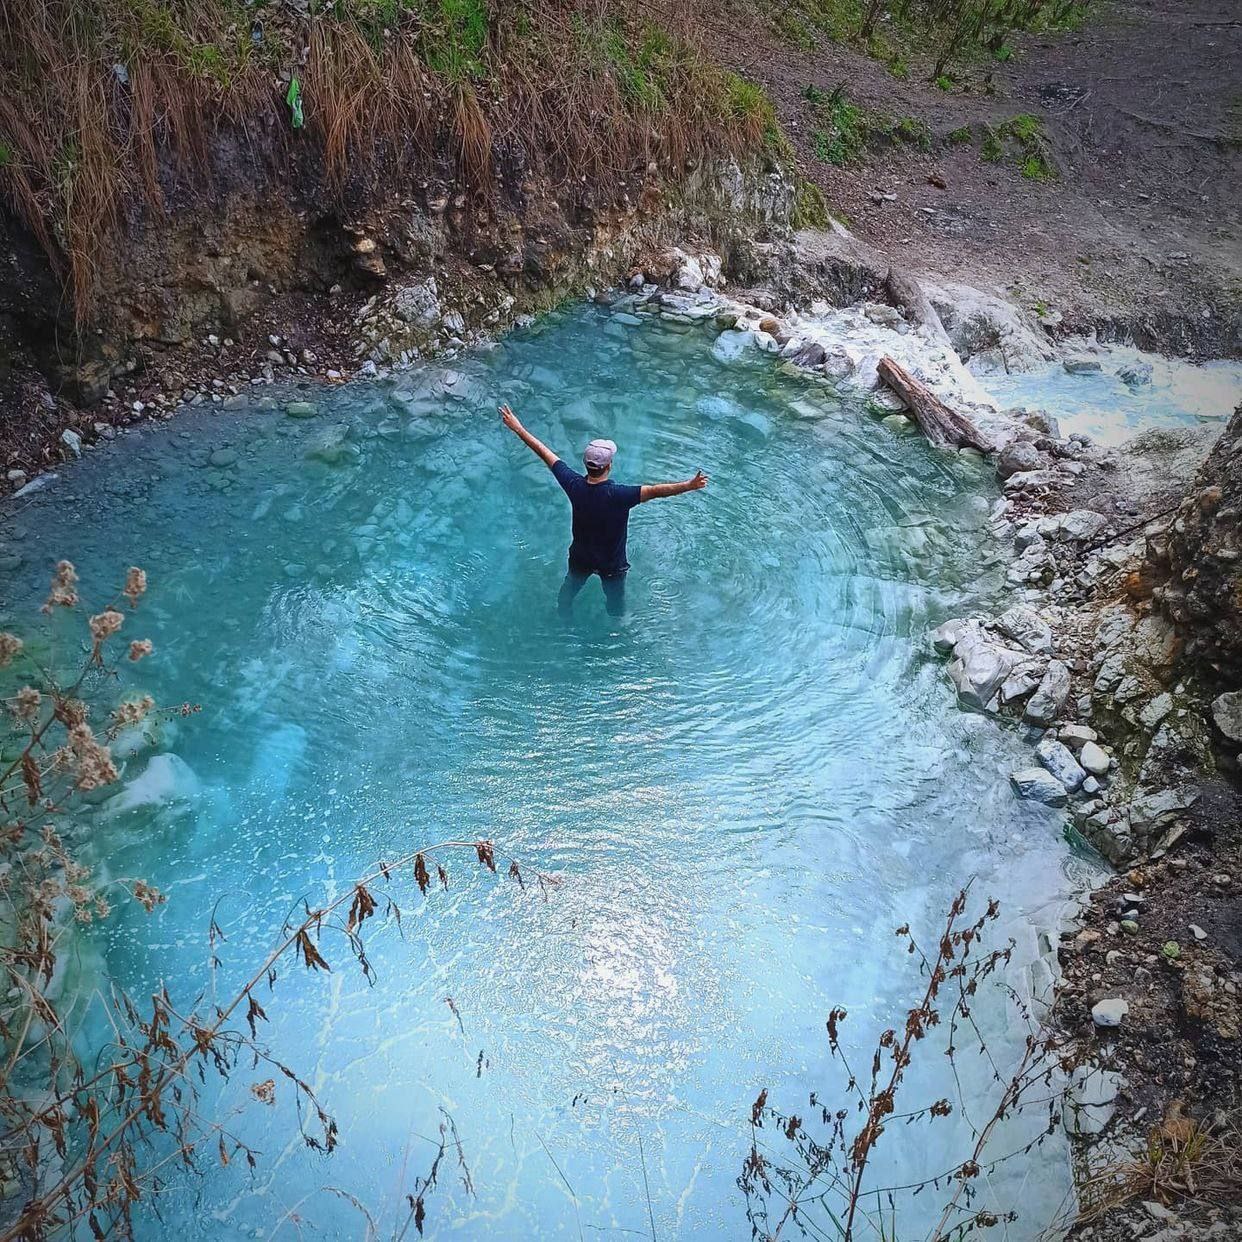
pixel 601 514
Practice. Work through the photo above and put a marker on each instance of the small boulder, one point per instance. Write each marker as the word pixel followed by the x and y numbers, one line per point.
pixel 945 636
pixel 1094 759
pixel 1076 736
pixel 1046 703
pixel 1061 763
pixel 72 441
pixel 1109 1013
pixel 1135 375
pixel 1227 714
pixel 1026 627
pixel 1018 458
pixel 1037 785
pixel 979 671
pixel 301 409
pixel 1081 524
pixel 1081 366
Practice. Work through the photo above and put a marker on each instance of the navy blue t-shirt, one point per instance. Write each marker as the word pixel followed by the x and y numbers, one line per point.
pixel 601 518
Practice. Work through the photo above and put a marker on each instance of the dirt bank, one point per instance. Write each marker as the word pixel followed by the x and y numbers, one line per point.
pixel 1137 232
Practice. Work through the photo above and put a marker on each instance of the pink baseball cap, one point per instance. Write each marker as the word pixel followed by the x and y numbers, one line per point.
pixel 599 453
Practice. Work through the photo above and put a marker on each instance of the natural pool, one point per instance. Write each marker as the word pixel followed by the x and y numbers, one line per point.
pixel 744 785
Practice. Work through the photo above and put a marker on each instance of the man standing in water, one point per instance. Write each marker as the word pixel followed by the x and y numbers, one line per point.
pixel 601 514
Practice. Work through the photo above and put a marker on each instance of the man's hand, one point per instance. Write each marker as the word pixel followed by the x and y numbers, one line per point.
pixel 541 450
pixel 658 491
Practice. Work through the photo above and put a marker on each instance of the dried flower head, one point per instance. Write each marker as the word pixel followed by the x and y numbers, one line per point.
pixel 147 895
pixel 105 624
pixel 26 701
pixel 135 585
pixel 140 647
pixel 10 645
pixel 133 711
pixel 64 587
pixel 93 760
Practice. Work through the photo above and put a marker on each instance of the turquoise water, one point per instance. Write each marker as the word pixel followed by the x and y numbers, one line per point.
pixel 741 787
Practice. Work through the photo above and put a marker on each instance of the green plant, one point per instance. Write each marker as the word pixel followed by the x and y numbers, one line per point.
pixel 992 148
pixel 843 129
pixel 1003 53
pixel 963 136
pixel 1024 127
pixel 911 130
pixel 810 207
pixel 899 67
pixel 943 82
pixel 1036 168
pixel 454 36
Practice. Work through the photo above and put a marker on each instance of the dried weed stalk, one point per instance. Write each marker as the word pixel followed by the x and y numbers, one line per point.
pixel 812 1172
pixel 82 1143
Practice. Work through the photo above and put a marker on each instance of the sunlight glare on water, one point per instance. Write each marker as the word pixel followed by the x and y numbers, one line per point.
pixel 742 786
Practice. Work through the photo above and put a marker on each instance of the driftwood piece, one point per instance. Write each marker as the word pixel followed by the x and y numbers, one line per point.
pixel 941 425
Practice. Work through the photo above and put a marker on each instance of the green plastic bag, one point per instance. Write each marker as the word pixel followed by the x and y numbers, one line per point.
pixel 294 100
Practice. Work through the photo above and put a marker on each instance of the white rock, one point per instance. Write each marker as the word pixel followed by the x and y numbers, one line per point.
pixel 1061 763
pixel 1094 758
pixel 1027 627
pixel 979 671
pixel 72 441
pixel 945 636
pixel 1046 703
pixel 690 274
pixel 1108 1013
pixel 1038 786
pixel 1197 932
pixel 1082 524
pixel 1075 736
pixel 1227 713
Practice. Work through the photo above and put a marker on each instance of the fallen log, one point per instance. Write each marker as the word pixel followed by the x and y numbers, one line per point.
pixel 941 425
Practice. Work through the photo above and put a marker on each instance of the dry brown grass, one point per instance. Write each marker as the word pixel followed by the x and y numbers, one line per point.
pixel 1185 1161
pixel 583 92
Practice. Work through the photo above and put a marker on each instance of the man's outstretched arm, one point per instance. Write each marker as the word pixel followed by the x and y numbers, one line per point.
pixel 541 450
pixel 657 491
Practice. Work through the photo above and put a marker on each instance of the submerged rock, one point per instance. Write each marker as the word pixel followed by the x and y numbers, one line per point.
pixel 301 409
